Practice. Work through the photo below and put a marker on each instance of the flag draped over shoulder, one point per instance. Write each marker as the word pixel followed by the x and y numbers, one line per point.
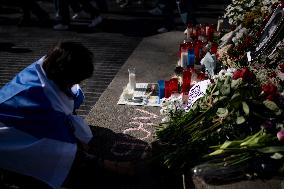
pixel 38 131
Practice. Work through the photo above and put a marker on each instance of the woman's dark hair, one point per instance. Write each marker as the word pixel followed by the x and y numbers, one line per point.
pixel 68 63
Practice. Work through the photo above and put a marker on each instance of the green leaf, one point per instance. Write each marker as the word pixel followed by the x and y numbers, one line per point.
pixel 236 83
pixel 279 112
pixel 231 144
pixel 216 152
pixel 252 140
pixel 277 156
pixel 225 145
pixel 227 81
pixel 271 149
pixel 222 112
pixel 235 95
pixel 215 100
pixel 271 105
pixel 240 120
pixel 216 93
pixel 225 89
pixel 245 108
pixel 222 98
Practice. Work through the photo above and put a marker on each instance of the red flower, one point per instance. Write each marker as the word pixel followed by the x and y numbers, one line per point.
pixel 270 90
pixel 245 74
pixel 237 74
pixel 201 76
pixel 282 67
pixel 270 97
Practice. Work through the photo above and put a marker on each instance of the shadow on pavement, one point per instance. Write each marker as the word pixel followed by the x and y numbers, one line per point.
pixel 120 147
pixel 109 145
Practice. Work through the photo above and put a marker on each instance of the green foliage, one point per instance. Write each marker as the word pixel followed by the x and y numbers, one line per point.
pixel 226 121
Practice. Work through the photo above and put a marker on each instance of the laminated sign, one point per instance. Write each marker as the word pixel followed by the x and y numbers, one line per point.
pixel 198 90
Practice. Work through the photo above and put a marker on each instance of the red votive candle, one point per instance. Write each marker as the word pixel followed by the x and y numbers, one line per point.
pixel 168 90
pixel 197 49
pixel 186 79
pixel 174 85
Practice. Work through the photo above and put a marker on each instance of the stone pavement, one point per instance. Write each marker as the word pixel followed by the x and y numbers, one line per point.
pixel 155 58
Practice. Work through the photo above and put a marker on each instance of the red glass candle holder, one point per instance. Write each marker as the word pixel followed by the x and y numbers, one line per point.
pixel 174 85
pixel 185 46
pixel 186 80
pixel 198 45
pixel 168 90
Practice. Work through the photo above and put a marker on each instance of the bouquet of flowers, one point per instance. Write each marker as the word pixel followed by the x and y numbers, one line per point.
pixel 172 106
pixel 240 11
pixel 238 115
pixel 250 17
pixel 236 10
pixel 238 125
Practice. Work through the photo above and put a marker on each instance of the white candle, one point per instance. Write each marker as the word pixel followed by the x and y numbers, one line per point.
pixel 132 79
pixel 183 59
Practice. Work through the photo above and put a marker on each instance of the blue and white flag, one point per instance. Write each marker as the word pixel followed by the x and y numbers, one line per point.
pixel 38 131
